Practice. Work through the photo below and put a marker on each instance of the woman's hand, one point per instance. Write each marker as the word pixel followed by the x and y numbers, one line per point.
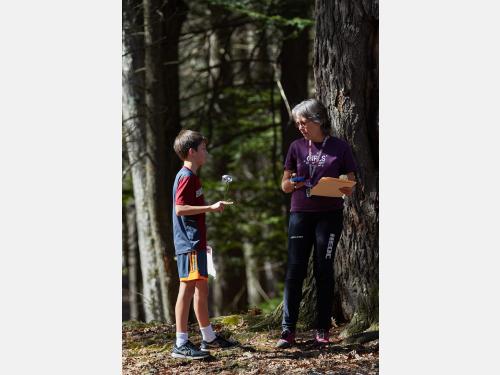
pixel 288 186
pixel 348 190
pixel 297 185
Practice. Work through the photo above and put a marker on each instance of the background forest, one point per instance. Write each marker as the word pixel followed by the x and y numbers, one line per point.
pixel 232 70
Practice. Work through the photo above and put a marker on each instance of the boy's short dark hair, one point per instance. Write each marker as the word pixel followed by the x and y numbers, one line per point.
pixel 187 139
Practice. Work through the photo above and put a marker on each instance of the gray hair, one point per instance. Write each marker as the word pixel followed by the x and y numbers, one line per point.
pixel 314 111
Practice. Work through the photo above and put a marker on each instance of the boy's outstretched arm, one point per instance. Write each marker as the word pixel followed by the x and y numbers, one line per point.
pixel 186 210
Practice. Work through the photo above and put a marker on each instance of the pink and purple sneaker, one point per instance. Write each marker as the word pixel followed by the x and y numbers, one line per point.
pixel 322 336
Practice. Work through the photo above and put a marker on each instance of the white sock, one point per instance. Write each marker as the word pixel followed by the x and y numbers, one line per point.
pixel 208 333
pixel 181 338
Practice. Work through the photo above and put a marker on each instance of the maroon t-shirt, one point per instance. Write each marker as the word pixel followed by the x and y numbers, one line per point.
pixel 191 230
pixel 336 159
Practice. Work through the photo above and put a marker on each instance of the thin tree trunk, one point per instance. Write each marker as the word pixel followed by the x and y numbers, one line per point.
pixel 346 73
pixel 294 66
pixel 261 72
pixel 227 288
pixel 219 286
pixel 252 274
pixel 132 261
pixel 270 279
pixel 125 276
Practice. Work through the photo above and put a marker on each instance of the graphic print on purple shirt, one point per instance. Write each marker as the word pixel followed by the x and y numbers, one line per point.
pixel 336 159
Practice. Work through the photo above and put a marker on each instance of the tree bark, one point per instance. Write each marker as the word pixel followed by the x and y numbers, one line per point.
pixel 134 134
pixel 151 114
pixel 125 276
pixel 270 278
pixel 132 261
pixel 252 274
pixel 346 74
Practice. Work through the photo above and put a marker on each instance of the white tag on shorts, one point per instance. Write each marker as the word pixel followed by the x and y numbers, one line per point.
pixel 210 262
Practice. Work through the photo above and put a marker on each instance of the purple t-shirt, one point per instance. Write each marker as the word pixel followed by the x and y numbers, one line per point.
pixel 336 159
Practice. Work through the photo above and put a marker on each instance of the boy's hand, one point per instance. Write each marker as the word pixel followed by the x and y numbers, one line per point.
pixel 218 207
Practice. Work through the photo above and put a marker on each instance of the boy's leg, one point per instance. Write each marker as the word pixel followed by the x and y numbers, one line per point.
pixel 211 340
pixel 198 276
pixel 183 348
pixel 200 303
pixel 186 292
pixel 185 296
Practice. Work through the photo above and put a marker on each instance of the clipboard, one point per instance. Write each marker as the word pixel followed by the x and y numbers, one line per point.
pixel 329 187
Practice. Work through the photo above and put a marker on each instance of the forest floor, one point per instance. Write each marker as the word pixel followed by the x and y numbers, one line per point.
pixel 146 350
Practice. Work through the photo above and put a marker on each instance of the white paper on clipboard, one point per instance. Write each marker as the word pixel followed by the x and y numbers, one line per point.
pixel 210 262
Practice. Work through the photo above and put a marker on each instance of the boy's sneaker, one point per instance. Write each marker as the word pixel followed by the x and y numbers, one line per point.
pixel 189 351
pixel 322 336
pixel 286 340
pixel 218 343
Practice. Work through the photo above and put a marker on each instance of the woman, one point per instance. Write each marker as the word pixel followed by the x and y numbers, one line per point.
pixel 314 220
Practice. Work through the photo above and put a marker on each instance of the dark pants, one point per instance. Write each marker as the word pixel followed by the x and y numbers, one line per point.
pixel 321 229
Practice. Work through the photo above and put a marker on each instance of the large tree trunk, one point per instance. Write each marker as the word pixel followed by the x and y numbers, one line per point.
pixel 346 73
pixel 159 19
pixel 151 111
pixel 150 291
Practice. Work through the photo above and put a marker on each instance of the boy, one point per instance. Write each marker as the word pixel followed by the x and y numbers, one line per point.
pixel 190 243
